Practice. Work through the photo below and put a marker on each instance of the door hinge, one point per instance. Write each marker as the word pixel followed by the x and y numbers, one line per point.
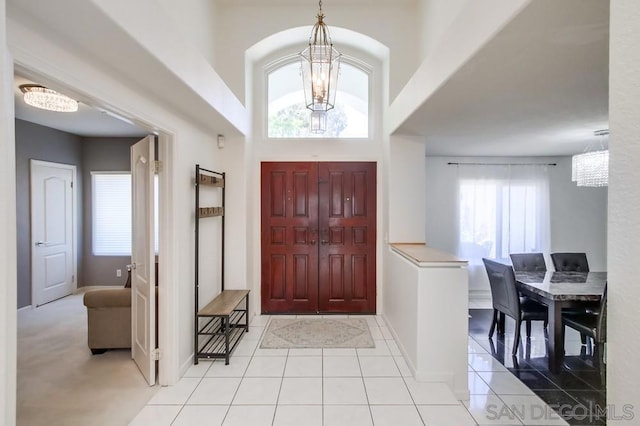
pixel 157 166
pixel 71 183
pixel 157 354
pixel 73 278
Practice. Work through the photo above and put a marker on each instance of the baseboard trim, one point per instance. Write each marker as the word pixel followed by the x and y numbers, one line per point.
pixel 95 287
pixel 187 364
pixel 479 295
pixel 447 378
pixel 403 351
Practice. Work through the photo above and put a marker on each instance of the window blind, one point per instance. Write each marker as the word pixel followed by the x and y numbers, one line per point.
pixel 111 211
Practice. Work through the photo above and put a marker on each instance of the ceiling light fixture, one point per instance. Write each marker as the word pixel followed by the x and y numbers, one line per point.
pixel 318 122
pixel 320 65
pixel 591 168
pixel 41 97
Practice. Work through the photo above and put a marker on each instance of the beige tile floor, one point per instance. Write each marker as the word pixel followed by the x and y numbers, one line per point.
pixel 332 387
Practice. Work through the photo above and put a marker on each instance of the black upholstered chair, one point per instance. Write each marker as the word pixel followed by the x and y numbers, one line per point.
pixel 574 262
pixel 591 324
pixel 570 262
pixel 507 300
pixel 528 262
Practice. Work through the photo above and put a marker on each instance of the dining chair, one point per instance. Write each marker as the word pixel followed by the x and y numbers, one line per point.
pixel 528 262
pixel 507 300
pixel 592 324
pixel 574 262
pixel 570 262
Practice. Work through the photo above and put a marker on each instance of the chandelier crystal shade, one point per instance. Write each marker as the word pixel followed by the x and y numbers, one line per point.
pixel 43 98
pixel 320 65
pixel 591 168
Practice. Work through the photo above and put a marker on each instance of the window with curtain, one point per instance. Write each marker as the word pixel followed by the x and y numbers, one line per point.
pixel 502 210
pixel 111 213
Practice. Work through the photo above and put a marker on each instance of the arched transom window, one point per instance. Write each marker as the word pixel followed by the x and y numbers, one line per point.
pixel 287 116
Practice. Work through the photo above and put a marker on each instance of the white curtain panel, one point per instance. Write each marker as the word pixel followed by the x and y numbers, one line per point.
pixel 502 209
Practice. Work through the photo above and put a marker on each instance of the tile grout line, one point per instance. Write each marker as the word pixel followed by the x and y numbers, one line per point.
pixel 364 385
pixel 322 386
pixel 358 357
pixel 191 394
pixel 280 389
pixel 506 370
pixel 241 379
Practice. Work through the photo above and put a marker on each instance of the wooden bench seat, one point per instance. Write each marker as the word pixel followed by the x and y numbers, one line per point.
pixel 221 324
pixel 224 303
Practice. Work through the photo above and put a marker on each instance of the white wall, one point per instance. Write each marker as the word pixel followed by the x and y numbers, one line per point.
pixel 578 215
pixel 435 18
pixel 401 302
pixel 231 161
pixel 407 187
pixel 8 278
pixel 196 20
pixel 623 345
pixel 240 27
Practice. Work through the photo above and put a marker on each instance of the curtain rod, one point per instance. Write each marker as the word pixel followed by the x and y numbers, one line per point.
pixel 502 164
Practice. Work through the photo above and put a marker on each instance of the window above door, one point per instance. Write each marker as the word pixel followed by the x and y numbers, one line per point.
pixel 287 116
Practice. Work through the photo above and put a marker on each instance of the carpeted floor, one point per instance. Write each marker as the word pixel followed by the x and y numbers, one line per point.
pixel 317 333
pixel 59 381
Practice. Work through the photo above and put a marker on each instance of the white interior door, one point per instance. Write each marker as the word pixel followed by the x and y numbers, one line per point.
pixel 143 306
pixel 52 233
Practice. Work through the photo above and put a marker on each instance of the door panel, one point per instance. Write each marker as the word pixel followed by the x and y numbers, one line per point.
pixel 348 226
pixel 143 304
pixel 52 230
pixel 332 202
pixel 289 237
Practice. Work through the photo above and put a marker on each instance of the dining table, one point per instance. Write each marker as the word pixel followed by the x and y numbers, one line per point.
pixel 558 290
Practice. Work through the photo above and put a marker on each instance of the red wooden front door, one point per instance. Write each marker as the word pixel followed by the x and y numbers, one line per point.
pixel 289 237
pixel 318 237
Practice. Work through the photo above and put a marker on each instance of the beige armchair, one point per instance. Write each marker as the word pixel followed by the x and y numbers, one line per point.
pixel 108 319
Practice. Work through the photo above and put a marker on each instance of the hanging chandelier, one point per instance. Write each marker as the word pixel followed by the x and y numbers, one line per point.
pixel 591 168
pixel 320 65
pixel 43 98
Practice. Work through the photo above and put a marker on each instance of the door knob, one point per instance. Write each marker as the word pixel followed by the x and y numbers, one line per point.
pixel 41 243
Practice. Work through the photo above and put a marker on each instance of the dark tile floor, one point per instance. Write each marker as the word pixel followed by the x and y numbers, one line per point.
pixel 577 393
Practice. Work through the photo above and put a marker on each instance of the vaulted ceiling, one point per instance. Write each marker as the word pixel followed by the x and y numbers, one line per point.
pixel 539 87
